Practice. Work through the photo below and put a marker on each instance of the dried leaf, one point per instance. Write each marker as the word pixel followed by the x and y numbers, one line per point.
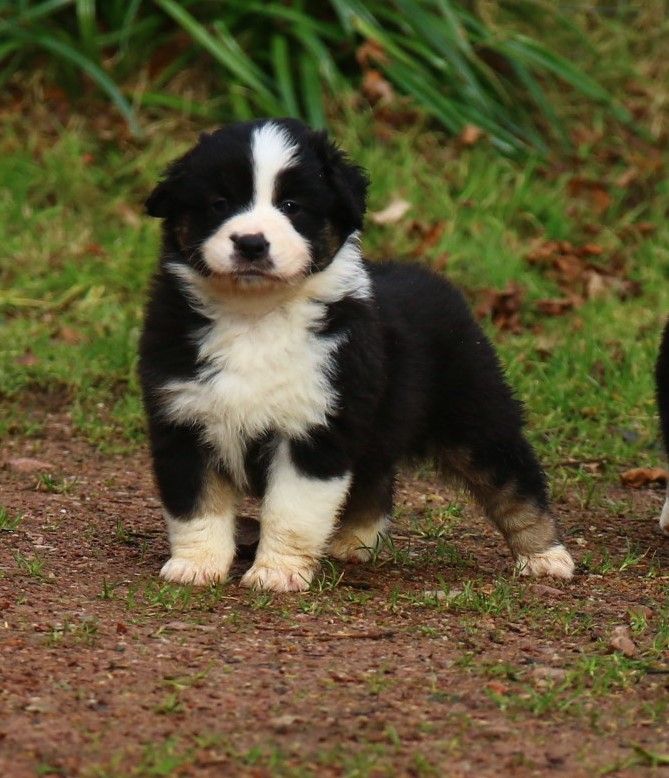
pixel 376 88
pixel 430 238
pixel 392 213
pixel 638 477
pixel 370 53
pixel 470 135
pixel 556 307
pixel 502 306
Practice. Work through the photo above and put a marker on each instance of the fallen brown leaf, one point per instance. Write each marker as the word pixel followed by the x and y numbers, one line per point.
pixel 370 52
pixel 556 307
pixel 502 306
pixel 430 238
pixel 638 477
pixel 376 88
pixel 470 135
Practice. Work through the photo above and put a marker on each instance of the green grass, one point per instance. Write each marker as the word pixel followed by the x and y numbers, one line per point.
pixel 79 253
pixel 9 522
pixel 493 68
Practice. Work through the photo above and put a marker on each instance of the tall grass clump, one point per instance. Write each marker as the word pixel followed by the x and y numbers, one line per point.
pixel 458 64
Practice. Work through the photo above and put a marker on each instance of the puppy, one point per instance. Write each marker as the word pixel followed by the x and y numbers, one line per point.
pixel 662 384
pixel 275 361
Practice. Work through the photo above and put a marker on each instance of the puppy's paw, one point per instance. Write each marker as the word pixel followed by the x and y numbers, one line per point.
pixel 664 517
pixel 349 547
pixel 197 572
pixel 556 561
pixel 279 576
pixel 357 543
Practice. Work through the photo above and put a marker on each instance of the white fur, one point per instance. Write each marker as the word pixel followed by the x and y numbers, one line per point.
pixel 266 370
pixel 556 561
pixel 357 543
pixel 298 516
pixel 273 151
pixel 664 516
pixel 202 548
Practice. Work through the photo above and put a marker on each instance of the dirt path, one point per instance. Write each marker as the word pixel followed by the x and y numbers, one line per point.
pixel 432 661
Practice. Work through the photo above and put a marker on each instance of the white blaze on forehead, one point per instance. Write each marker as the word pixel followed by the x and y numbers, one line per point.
pixel 272 150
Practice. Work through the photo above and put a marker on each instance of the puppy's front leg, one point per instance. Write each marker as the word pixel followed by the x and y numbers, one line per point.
pixel 202 545
pixel 199 507
pixel 298 516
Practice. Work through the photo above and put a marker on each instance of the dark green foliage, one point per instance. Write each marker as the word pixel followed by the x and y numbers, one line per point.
pixel 278 58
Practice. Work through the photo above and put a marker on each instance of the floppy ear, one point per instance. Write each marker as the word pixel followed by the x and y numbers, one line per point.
pixel 164 198
pixel 348 180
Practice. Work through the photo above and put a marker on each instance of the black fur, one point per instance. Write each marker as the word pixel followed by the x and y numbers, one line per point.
pixel 415 375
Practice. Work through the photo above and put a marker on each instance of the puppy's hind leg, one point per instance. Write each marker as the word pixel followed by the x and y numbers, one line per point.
pixel 508 481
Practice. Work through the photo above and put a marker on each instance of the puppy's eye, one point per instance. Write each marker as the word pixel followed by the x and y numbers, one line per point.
pixel 219 206
pixel 289 207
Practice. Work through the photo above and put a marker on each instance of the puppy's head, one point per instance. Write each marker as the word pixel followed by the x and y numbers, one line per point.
pixel 260 203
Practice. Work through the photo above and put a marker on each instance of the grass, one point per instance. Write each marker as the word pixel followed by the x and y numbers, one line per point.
pixel 9 522
pixel 462 65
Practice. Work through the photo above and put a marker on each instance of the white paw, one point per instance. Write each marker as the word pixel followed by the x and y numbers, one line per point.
pixel 197 572
pixel 664 517
pixel 556 561
pixel 276 577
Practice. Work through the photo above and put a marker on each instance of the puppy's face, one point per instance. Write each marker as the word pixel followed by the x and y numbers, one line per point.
pixel 260 203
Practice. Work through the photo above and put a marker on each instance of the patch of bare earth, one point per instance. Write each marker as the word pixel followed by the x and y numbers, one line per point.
pixel 432 660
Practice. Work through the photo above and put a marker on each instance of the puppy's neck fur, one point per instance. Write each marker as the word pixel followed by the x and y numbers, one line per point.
pixel 345 276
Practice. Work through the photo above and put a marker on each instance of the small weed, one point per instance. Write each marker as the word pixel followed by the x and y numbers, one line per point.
pixel 439 522
pixel 328 578
pixel 260 600
pixel 107 592
pixel 179 683
pixel 168 596
pixel 378 681
pixel 48 483
pixel 121 533
pixel 170 705
pixel 45 768
pixel 386 551
pixel 33 566
pixel 9 523
pixel 163 758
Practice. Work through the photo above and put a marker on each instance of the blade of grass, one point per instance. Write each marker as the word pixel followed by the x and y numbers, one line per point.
pixel 240 66
pixel 312 91
pixel 282 72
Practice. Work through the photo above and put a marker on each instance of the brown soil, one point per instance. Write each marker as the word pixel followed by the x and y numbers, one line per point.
pixel 105 671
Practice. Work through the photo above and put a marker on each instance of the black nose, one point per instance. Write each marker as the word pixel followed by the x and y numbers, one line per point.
pixel 251 247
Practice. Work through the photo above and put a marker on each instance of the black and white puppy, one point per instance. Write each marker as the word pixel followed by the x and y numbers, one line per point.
pixel 662 384
pixel 277 362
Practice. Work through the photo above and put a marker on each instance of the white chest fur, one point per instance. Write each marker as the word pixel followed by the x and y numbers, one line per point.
pixel 259 373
